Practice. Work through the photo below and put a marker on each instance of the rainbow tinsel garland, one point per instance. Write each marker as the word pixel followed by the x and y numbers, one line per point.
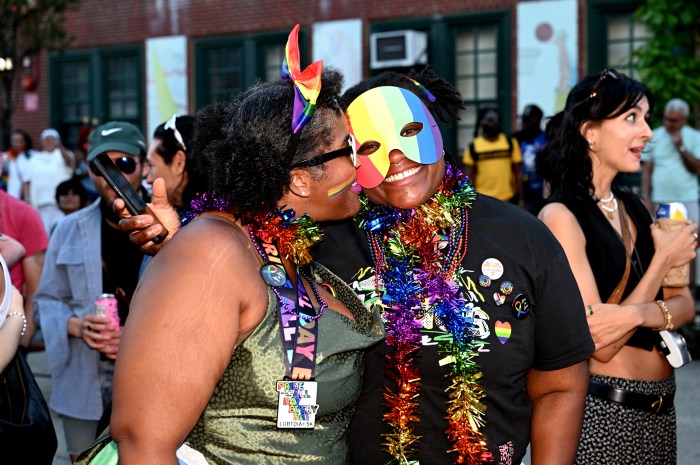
pixel 421 278
pixel 293 237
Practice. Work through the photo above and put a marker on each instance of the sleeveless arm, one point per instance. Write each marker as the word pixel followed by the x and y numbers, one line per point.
pixel 184 323
pixel 616 327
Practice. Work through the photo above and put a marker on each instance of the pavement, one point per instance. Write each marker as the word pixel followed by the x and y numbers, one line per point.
pixel 687 409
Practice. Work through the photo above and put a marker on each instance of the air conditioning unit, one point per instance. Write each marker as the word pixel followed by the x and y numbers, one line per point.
pixel 398 49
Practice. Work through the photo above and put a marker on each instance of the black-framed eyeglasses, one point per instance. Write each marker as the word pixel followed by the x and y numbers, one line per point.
pixel 170 125
pixel 328 156
pixel 126 165
pixel 607 73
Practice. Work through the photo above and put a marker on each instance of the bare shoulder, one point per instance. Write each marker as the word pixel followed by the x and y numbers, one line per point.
pixel 564 225
pixel 555 212
pixel 210 265
pixel 209 244
pixel 196 301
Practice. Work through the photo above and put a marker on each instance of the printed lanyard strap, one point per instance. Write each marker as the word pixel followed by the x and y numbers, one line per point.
pixel 298 327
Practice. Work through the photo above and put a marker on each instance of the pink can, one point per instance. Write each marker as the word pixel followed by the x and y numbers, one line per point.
pixel 106 305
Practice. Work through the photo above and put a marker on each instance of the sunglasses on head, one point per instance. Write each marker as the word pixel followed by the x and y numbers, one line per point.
pixel 328 156
pixel 170 125
pixel 606 74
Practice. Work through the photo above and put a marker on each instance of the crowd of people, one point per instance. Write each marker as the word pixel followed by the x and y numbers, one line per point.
pixel 335 286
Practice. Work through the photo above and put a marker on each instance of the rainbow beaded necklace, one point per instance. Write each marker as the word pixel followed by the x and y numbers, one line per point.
pixel 293 237
pixel 420 278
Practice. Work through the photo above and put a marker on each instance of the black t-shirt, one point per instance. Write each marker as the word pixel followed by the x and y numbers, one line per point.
pixel 513 247
pixel 122 262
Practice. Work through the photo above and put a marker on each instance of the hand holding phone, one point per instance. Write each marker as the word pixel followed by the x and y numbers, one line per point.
pixel 105 167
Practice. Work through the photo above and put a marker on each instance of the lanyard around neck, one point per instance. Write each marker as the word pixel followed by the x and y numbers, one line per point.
pixel 297 316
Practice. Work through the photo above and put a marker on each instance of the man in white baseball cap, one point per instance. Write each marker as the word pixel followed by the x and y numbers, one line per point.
pixel 46 170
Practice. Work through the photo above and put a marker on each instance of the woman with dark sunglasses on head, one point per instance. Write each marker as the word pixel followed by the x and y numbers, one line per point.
pixel 619 259
pixel 170 158
pixel 234 345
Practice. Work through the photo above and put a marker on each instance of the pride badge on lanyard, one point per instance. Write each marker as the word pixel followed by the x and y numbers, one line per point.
pixel 379 115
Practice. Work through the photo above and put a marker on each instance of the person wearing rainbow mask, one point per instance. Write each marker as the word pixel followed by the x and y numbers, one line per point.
pixel 486 338
pixel 485 325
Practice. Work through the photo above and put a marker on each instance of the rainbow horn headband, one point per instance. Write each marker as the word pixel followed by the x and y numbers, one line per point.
pixel 307 84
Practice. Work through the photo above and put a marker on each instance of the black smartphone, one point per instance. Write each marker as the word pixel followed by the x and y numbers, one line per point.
pixel 105 167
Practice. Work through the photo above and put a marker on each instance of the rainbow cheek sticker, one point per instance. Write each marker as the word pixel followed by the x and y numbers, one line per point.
pixel 332 192
pixel 379 115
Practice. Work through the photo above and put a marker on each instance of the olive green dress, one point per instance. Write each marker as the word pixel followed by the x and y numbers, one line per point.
pixel 239 423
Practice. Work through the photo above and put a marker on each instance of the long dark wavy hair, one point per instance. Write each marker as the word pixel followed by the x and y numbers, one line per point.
pixel 565 162
pixel 242 146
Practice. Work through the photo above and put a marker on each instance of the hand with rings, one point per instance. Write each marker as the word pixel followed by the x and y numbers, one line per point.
pixel 96 331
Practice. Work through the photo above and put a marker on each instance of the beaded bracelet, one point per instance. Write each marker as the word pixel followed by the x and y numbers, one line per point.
pixel 668 325
pixel 24 321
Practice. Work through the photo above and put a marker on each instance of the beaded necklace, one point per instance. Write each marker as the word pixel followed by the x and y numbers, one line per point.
pixel 420 278
pixel 610 210
pixel 292 237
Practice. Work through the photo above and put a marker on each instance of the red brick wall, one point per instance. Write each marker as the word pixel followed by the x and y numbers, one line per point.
pixel 100 23
pixel 36 121
pixel 106 22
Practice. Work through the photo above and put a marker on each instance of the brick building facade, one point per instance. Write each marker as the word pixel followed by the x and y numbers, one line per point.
pixel 228 45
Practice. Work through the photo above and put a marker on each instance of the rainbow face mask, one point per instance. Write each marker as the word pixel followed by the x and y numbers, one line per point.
pixel 380 115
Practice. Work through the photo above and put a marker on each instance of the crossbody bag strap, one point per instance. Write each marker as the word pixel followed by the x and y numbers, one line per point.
pixel 616 294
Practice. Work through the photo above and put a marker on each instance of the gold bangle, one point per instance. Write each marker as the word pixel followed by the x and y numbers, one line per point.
pixel 668 325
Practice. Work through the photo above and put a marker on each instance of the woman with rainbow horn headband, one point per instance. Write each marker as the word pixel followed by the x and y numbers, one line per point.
pixel 486 342
pixel 484 320
pixel 234 347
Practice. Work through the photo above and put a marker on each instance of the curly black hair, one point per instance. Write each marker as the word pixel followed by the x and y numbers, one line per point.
pixel 445 108
pixel 565 161
pixel 448 100
pixel 243 147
